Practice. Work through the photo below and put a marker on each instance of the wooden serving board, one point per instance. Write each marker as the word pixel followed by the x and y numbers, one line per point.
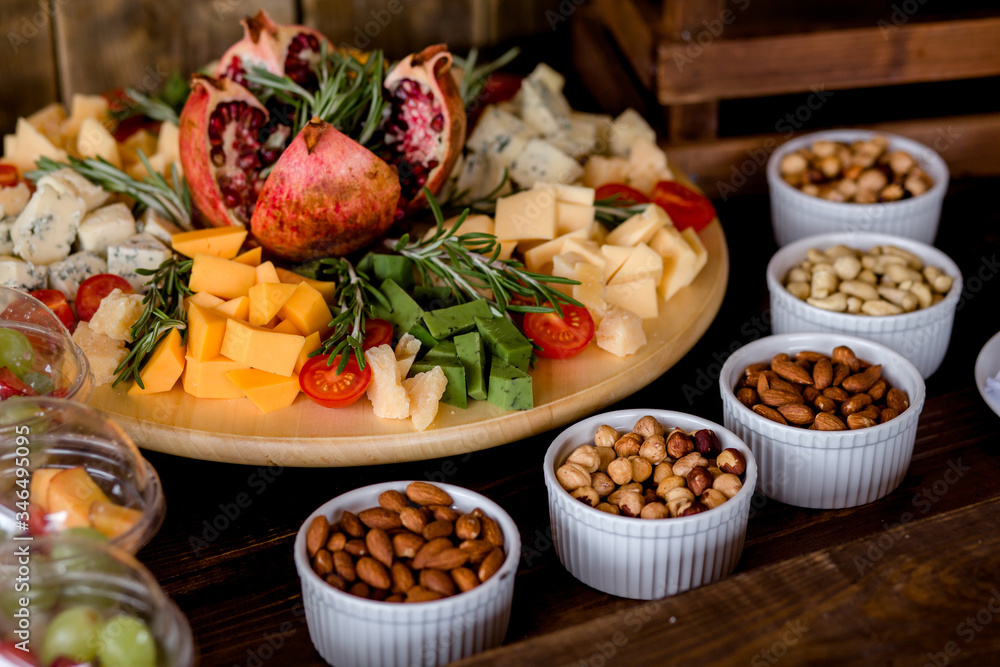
pixel 306 434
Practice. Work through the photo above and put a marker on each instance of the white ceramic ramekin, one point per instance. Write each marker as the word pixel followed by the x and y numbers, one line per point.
pixel 794 214
pixel 645 559
pixel 825 469
pixel 921 336
pixel 348 630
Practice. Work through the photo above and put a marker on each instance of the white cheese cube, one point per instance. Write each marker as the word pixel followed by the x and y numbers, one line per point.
pixel 82 107
pixel 6 242
pixel 587 249
pixel 590 291
pixel 48 120
pixel 70 182
pixel 20 275
pixel 107 226
pixel 647 166
pixel 66 275
pixel 548 77
pixel 640 228
pixel 116 315
pixel 168 146
pixel 13 199
pixel 639 296
pixel 385 391
pixel 541 161
pixel 620 332
pixel 103 353
pixel 615 256
pixel 679 260
pixel 45 230
pixel 626 129
pixel 600 170
pixel 527 215
pixel 573 217
pixel 499 135
pixel 642 262
pixel 157 226
pixel 28 145
pixel 536 259
pixel 701 253
pixel 139 252
pixel 95 141
pixel 599 233
pixel 571 194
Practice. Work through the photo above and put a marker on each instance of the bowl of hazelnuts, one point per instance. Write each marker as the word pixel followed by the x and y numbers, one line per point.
pixel 648 503
pixel 855 180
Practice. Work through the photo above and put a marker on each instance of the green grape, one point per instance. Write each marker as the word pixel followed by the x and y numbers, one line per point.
pixel 15 351
pixel 73 633
pixel 40 382
pixel 89 533
pixel 125 641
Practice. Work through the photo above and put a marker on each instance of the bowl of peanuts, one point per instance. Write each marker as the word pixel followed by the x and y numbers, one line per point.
pixel 894 291
pixel 855 180
pixel 648 503
pixel 407 573
pixel 831 419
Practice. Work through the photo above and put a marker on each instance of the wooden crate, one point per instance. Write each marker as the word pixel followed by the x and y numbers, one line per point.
pixel 688 56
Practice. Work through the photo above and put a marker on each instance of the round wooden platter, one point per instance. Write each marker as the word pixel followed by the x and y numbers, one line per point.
pixel 305 434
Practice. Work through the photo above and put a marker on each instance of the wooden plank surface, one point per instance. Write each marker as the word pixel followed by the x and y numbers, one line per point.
pixel 634 32
pixel 838 59
pixel 28 77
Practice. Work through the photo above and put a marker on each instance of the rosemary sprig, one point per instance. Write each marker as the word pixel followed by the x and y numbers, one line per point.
pixel 162 311
pixel 615 210
pixel 153 191
pixel 474 78
pixel 356 298
pixel 140 104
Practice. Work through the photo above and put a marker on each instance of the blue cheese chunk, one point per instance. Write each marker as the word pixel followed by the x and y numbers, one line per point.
pixel 499 133
pixel 579 141
pixel 142 251
pixel 6 242
pixel 541 161
pixel 107 226
pixel 66 275
pixel 45 230
pixel 157 226
pixel 13 200
pixel 481 174
pixel 627 128
pixel 20 275
pixel 543 110
pixel 68 181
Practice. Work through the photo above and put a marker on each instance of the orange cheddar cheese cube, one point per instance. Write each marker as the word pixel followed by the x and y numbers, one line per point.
pixel 251 257
pixel 261 348
pixel 206 329
pixel 238 308
pixel 266 299
pixel 38 492
pixel 284 326
pixel 311 343
pixel 266 273
pixel 224 242
pixel 307 310
pixel 164 367
pixel 203 299
pixel 224 278
pixel 207 379
pixel 326 288
pixel 269 392
pixel 71 493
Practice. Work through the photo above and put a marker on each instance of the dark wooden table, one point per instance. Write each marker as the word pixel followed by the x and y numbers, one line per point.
pixel 911 579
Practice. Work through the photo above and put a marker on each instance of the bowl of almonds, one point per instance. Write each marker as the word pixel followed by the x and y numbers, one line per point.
pixel 404 573
pixel 831 419
pixel 895 291
pixel 855 180
pixel 648 503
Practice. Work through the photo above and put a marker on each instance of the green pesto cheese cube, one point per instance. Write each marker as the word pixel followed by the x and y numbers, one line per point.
pixel 396 268
pixel 469 347
pixel 427 341
pixel 503 339
pixel 454 393
pixel 447 322
pixel 510 388
pixel 405 311
pixel 443 351
pixel 432 297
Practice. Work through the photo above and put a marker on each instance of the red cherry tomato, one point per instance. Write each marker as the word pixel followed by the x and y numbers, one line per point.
pixel 685 207
pixel 377 332
pixel 500 87
pixel 560 337
pixel 325 386
pixel 95 288
pixel 625 195
pixel 56 301
pixel 11 656
pixel 11 385
pixel 8 175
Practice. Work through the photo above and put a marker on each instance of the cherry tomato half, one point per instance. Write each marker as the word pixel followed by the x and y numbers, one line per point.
pixel 325 386
pixel 11 385
pixel 94 289
pixel 8 175
pixel 623 194
pixel 685 207
pixel 560 337
pixel 56 301
pixel 377 332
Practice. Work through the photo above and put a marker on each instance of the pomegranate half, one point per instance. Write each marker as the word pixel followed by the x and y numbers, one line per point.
pixel 280 49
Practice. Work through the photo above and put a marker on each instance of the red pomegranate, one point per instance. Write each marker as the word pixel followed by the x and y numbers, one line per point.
pixel 327 195
pixel 280 49
pixel 425 125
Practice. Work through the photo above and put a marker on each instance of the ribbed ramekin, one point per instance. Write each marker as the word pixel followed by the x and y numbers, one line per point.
pixel 794 214
pixel 645 559
pixel 347 630
pixel 825 469
pixel 922 336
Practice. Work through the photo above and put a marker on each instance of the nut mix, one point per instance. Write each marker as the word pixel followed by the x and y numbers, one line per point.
pixel 413 547
pixel 820 392
pixel 885 280
pixel 863 172
pixel 650 473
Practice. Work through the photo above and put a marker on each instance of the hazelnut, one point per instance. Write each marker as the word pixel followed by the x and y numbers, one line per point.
pixel 661 472
pixel 586 494
pixel 729 484
pixel 685 464
pixel 631 503
pixel 606 436
pixel 616 496
pixel 628 445
pixel 647 426
pixel 679 444
pixel 707 443
pixel 714 471
pixel 732 461
pixel 649 495
pixel 654 449
pixel 586 456
pixel 609 508
pixel 654 511
pixel 602 484
pixel 607 455
pixel 620 470
pixel 668 484
pixel 572 476
pixel 712 498
pixel 678 500
pixel 693 508
pixel 698 480
pixel 641 468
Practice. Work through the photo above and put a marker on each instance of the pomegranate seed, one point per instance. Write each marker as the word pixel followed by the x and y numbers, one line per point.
pixel 438 123
pixel 218 156
pixel 231 198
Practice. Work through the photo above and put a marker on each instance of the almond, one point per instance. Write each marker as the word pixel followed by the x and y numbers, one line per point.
pixel 762 384
pixel 836 393
pixel 464 578
pixel 856 421
pixel 776 397
pixel 747 396
pixel 753 369
pixel 344 565
pixel 351 525
pixel 393 500
pixel 442 513
pixel 406 545
pixel 372 572
pixel 823 374
pixel 871 411
pixel 447 559
pixel 379 546
pixel 845 355
pixel 336 581
pixel 336 542
pixel 840 371
pixel 829 422
pixel 797 414
pixel 360 589
pixel 323 562
pixel 421 594
pixel 887 415
pixel 467 527
pixel 430 549
pixel 877 390
pixel 423 493
pixel 778 358
pixel 769 413
pixel 811 357
pixel 491 564
pixel 379 517
pixel 395 597
pixel 356 548
pixel 855 403
pixel 897 400
pixel 413 519
pixel 439 581
pixel 791 371
pixel 860 382
pixel 402 578
pixel 316 536
pixel 436 529
pixel 491 531
pixel 477 549
pixel 810 393
pixel 784 385
pixel 825 404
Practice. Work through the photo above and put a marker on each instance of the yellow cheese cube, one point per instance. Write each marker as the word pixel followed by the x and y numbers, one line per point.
pixel 307 310
pixel 95 141
pixel 222 242
pixel 615 256
pixel 701 253
pixel 164 367
pixel 266 273
pixel 261 348
pixel 311 343
pixel 326 288
pixel 572 217
pixel 251 257
pixel 679 260
pixel 590 291
pixel 222 277
pixel 284 326
pixel 206 329
pixel 207 379
pixel 570 194
pixel 600 170
pixel 203 299
pixel 238 308
pixel 640 228
pixel 266 299
pixel 642 262
pixel 589 250
pixel 269 392
pixel 639 296
pixel 536 259
pixel 598 233
pixel 530 214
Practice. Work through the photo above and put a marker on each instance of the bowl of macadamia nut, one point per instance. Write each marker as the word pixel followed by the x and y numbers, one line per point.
pixel 855 180
pixel 648 503
pixel 895 291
